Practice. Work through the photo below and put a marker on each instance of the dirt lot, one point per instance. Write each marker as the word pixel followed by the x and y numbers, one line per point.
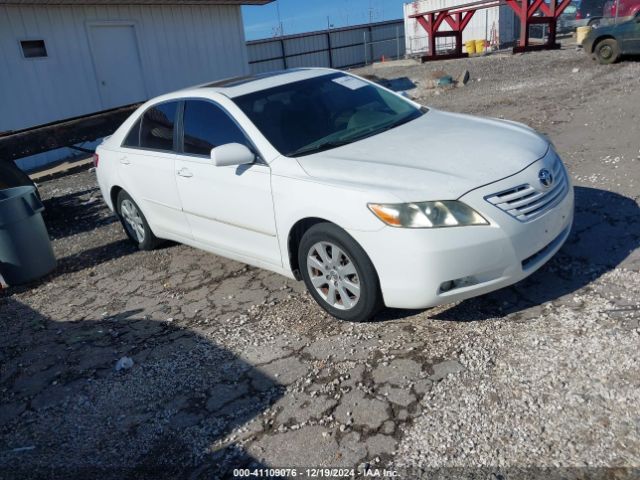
pixel 235 366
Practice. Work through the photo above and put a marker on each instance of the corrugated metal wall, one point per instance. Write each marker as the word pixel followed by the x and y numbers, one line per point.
pixel 178 45
pixel 502 19
pixel 336 48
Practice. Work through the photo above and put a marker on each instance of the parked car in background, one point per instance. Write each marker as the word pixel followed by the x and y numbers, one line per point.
pixel 320 175
pixel 567 20
pixel 590 12
pixel 608 42
pixel 11 176
pixel 621 10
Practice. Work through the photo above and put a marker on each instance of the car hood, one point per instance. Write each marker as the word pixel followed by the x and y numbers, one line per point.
pixel 439 156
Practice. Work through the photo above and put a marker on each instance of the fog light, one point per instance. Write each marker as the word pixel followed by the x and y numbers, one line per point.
pixel 465 282
pixel 458 283
pixel 446 286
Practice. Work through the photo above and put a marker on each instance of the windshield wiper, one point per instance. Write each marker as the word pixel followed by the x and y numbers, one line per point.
pixel 339 143
pixel 320 147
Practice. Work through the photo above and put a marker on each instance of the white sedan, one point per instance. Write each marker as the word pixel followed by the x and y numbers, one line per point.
pixel 320 175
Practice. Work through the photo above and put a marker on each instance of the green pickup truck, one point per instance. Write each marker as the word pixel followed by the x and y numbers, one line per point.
pixel 608 42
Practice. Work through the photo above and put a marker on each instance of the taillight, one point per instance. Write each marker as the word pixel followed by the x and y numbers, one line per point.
pixel 578 15
pixel 96 160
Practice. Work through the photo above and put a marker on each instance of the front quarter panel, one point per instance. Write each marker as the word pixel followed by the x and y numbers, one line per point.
pixel 297 196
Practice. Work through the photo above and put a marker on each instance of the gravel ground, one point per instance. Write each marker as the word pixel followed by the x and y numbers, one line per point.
pixel 235 366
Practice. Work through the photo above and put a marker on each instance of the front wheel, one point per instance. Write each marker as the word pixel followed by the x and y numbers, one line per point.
pixel 606 51
pixel 339 274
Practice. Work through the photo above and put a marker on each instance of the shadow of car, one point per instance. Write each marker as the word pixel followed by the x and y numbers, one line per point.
pixel 608 43
pixel 65 412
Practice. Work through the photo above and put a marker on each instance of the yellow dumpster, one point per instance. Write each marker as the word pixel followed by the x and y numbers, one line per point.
pixel 470 45
pixel 480 44
pixel 581 33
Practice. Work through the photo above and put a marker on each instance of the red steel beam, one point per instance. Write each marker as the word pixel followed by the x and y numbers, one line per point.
pixel 459 16
pixel 467 18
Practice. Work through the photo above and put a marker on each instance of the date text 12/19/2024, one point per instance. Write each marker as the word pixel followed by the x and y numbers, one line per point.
pixel 314 473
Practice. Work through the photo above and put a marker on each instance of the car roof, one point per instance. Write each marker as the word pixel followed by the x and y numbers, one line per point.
pixel 238 86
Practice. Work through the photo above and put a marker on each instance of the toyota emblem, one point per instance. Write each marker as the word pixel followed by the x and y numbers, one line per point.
pixel 546 178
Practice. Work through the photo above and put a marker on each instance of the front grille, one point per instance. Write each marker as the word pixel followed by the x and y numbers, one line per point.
pixel 526 203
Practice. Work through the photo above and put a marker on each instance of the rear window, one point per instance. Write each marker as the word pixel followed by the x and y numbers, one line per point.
pixel 157 127
pixel 133 138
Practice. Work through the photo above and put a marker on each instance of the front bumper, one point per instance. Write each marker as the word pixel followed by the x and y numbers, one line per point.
pixel 419 268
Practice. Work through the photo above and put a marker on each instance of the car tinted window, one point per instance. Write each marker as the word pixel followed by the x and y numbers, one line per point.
pixel 133 138
pixel 156 130
pixel 207 126
pixel 311 115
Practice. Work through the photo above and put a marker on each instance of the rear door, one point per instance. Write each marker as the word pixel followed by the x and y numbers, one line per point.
pixel 147 169
pixel 229 209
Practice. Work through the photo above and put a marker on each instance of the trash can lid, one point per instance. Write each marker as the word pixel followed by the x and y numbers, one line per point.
pixel 17 204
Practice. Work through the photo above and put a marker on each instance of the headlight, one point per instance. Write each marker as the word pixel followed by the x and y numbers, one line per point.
pixel 447 213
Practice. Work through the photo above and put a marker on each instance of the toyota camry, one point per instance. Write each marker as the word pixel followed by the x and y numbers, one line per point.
pixel 370 198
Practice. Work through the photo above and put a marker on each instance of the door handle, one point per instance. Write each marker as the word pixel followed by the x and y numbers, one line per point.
pixel 125 161
pixel 185 172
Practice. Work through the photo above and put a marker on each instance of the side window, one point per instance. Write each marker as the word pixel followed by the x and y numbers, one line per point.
pixel 207 126
pixel 133 137
pixel 156 129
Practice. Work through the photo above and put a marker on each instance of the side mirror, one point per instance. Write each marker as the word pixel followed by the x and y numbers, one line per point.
pixel 232 154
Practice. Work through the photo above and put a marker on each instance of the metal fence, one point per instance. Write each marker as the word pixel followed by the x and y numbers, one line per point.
pixel 335 48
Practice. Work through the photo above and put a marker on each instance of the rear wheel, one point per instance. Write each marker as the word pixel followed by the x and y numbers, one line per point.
pixel 606 51
pixel 134 223
pixel 339 274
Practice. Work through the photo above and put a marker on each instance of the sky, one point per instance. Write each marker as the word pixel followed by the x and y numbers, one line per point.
pixel 299 16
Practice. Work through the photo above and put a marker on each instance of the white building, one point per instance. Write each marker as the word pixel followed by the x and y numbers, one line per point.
pixel 65 58
pixel 497 24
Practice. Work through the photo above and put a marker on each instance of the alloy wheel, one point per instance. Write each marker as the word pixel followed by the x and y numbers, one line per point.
pixel 333 275
pixel 132 220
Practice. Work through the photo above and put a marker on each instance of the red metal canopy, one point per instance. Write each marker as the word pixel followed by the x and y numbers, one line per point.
pixel 458 17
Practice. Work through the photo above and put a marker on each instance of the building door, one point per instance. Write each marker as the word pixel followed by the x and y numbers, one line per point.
pixel 117 63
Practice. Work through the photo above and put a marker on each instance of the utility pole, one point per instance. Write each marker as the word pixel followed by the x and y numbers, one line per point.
pixel 280 26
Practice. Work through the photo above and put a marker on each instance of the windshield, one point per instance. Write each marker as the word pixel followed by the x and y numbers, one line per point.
pixel 324 112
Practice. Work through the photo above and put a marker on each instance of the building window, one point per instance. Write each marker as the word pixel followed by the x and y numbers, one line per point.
pixel 33 48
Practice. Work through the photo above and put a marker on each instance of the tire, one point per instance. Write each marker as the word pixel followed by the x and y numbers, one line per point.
pixel 606 51
pixel 343 270
pixel 134 223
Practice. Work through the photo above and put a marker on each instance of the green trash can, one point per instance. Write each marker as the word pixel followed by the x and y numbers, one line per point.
pixel 25 249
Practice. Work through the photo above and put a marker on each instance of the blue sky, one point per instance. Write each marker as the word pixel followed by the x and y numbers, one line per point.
pixel 307 15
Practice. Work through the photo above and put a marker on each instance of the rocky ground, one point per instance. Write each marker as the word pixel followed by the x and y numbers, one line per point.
pixel 234 366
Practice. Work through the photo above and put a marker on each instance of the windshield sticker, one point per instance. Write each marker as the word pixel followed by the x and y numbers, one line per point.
pixel 351 83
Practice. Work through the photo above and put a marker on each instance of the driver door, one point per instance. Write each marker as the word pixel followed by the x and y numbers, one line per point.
pixel 229 209
pixel 631 36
